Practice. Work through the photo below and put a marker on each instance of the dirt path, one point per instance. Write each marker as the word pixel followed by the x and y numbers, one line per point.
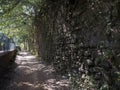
pixel 30 74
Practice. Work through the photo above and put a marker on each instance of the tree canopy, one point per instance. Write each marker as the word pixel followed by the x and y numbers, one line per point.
pixel 80 38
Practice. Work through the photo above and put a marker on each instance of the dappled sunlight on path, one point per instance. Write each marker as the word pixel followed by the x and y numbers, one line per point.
pixel 31 74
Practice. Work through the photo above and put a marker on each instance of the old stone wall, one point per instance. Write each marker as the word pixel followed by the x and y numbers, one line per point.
pixel 81 39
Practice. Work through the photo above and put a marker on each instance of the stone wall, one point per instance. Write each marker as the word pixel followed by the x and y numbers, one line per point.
pixel 81 39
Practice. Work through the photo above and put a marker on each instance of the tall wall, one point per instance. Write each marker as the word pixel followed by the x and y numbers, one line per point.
pixel 81 39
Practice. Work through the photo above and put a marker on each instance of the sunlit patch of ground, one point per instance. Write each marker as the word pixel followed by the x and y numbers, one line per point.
pixel 31 74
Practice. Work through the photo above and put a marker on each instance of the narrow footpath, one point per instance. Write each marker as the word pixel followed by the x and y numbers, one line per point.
pixel 28 73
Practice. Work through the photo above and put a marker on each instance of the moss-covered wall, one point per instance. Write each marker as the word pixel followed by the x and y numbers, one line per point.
pixel 81 39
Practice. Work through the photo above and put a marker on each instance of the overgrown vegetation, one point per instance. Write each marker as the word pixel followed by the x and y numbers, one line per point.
pixel 79 37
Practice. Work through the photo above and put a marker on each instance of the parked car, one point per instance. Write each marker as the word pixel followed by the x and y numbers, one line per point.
pixel 18 48
pixel 7 51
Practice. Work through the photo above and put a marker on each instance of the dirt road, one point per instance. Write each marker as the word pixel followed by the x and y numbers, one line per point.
pixel 28 73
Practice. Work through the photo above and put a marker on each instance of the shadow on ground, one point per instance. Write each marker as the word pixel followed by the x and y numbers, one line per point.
pixel 30 74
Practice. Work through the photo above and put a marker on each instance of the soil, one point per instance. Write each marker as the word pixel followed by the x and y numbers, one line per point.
pixel 29 73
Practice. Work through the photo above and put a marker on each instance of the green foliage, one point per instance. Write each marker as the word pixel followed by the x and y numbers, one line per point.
pixel 79 37
pixel 16 19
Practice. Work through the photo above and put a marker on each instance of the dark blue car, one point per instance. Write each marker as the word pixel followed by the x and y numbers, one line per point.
pixel 7 50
